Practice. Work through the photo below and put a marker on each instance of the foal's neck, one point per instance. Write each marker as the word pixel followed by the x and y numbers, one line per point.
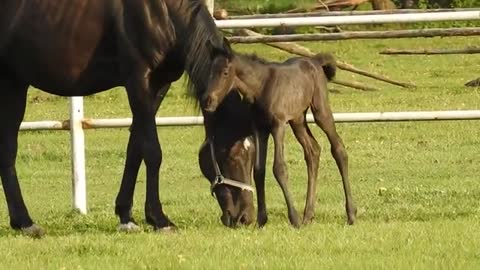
pixel 251 75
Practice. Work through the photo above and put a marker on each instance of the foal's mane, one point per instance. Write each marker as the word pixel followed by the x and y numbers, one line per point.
pixel 254 58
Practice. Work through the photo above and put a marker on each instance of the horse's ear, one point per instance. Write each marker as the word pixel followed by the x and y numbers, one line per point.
pixel 227 48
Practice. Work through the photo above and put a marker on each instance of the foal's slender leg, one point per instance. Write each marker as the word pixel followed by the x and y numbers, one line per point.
pixel 124 201
pixel 311 151
pixel 324 119
pixel 12 110
pixel 280 171
pixel 261 144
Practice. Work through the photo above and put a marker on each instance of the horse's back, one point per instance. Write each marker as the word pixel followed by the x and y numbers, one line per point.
pixel 51 44
pixel 80 47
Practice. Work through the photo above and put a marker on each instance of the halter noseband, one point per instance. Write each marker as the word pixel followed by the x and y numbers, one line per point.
pixel 219 179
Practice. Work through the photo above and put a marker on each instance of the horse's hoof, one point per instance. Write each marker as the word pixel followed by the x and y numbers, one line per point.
pixel 167 229
pixel 129 227
pixel 34 231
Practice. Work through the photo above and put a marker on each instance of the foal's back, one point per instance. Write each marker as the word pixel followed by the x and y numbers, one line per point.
pixel 294 83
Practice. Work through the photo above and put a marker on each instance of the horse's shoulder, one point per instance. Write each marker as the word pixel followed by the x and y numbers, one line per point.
pixel 147 27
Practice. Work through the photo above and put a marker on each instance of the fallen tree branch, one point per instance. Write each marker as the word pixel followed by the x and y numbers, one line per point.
pixel 473 83
pixel 355 85
pixel 303 51
pixel 379 77
pixel 429 52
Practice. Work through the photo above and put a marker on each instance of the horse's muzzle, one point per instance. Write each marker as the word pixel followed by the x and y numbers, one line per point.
pixel 209 104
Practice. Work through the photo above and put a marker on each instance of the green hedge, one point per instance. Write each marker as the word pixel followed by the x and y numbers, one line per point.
pixel 443 3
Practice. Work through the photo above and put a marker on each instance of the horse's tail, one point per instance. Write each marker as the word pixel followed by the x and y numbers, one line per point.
pixel 328 64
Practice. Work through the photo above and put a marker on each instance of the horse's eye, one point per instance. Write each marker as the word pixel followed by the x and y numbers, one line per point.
pixel 225 73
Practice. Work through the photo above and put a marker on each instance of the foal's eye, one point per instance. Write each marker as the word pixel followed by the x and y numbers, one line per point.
pixel 225 73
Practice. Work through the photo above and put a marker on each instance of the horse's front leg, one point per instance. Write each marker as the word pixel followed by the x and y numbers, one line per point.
pixel 12 110
pixel 280 171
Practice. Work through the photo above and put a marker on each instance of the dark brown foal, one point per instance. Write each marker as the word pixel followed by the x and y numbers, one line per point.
pixel 282 93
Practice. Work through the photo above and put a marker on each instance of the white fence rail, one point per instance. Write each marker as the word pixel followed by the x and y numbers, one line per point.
pixel 364 117
pixel 342 20
pixel 77 123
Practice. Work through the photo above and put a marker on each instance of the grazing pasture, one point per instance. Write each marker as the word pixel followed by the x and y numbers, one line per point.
pixel 416 184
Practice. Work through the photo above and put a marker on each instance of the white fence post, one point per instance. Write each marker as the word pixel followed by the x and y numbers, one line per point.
pixel 79 184
pixel 210 4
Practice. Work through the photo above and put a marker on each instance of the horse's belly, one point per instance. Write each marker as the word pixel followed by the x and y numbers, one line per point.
pixel 58 46
pixel 62 75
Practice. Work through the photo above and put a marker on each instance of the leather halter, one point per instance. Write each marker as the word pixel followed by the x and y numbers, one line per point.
pixel 220 179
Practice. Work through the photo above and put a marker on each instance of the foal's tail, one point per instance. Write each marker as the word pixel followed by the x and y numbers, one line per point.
pixel 328 64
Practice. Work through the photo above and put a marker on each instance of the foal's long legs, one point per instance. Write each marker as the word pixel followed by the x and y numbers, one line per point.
pixel 261 145
pixel 12 110
pixel 280 171
pixel 324 119
pixel 311 150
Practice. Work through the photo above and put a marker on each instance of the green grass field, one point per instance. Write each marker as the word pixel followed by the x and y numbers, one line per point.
pixel 427 217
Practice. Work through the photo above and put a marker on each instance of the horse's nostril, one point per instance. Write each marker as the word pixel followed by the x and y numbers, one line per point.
pixel 244 220
pixel 227 219
pixel 206 101
pixel 209 103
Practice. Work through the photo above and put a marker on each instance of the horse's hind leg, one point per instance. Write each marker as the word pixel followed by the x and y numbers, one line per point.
pixel 145 144
pixel 311 150
pixel 124 201
pixel 12 108
pixel 324 119
pixel 280 171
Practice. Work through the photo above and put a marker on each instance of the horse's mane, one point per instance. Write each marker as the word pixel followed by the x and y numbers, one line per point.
pixel 200 28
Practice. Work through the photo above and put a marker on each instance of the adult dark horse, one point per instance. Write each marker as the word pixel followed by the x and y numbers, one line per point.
pixel 82 47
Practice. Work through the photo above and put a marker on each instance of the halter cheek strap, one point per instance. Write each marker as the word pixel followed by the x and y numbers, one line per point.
pixel 219 179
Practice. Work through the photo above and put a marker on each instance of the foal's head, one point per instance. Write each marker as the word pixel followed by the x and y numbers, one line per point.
pixel 221 78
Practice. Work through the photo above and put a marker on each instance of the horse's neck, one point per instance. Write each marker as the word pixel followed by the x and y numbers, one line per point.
pixel 251 77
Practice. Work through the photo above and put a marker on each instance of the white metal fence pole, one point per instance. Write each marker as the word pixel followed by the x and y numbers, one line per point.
pixel 79 184
pixel 210 4
pixel 342 20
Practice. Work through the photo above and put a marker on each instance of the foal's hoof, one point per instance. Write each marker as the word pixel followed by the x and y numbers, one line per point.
pixel 129 227
pixel 307 220
pixel 351 217
pixel 34 231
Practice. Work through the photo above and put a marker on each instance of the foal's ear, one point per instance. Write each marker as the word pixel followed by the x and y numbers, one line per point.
pixel 227 48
